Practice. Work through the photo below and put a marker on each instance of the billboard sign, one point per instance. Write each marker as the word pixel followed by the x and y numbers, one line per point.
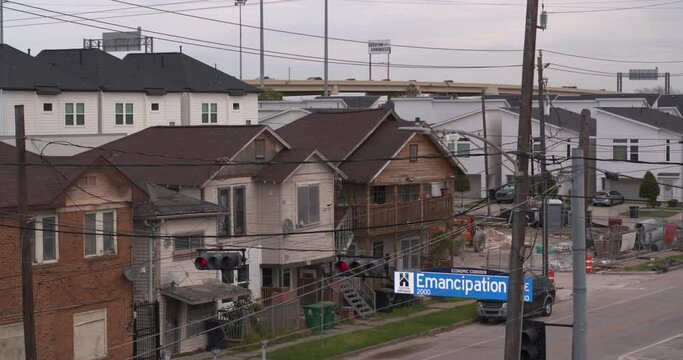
pixel 122 41
pixel 461 285
pixel 379 47
pixel 643 74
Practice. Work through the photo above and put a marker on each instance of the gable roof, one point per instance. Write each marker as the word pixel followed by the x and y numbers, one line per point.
pixel 178 155
pixel 104 70
pixel 562 118
pixel 334 133
pixel 20 71
pixel 281 167
pixel 188 73
pixel 650 117
pixel 351 138
pixel 671 101
pixel 47 178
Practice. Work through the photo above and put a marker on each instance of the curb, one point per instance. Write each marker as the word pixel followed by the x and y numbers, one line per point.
pixel 416 335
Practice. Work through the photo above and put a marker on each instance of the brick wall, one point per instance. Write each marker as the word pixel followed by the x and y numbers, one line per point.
pixel 70 286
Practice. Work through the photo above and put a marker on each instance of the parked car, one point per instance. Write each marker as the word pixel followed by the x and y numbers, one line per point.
pixel 543 292
pixel 607 198
pixel 505 193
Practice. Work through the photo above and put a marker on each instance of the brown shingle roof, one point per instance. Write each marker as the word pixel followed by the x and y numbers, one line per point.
pixel 176 155
pixel 384 144
pixel 46 178
pixel 286 162
pixel 335 134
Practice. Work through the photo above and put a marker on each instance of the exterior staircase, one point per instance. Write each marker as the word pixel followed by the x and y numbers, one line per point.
pixel 359 296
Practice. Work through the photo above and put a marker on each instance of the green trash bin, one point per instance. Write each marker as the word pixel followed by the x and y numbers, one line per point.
pixel 633 212
pixel 324 311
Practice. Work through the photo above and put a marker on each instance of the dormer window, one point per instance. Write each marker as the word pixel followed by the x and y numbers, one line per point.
pixel 260 149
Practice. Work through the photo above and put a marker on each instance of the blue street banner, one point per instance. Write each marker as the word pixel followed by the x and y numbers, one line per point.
pixel 461 285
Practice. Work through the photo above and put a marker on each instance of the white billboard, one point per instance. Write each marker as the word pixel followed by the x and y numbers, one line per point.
pixel 379 47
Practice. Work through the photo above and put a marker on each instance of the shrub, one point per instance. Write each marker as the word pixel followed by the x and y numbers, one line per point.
pixel 672 203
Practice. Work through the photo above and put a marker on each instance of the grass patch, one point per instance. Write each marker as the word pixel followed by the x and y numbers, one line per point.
pixel 343 343
pixel 654 213
pixel 657 264
pixel 402 311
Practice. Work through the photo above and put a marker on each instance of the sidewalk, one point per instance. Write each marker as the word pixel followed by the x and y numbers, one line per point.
pixel 359 324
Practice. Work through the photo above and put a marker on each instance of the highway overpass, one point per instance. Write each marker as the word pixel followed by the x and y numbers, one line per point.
pixel 315 87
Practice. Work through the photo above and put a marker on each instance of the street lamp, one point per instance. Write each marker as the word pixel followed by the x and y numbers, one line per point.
pixel 240 3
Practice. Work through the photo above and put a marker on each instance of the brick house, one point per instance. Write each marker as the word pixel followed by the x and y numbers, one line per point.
pixel 79 216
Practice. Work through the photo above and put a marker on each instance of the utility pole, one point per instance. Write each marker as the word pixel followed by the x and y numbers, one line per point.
pixel 2 23
pixel 486 153
pixel 544 180
pixel 326 90
pixel 26 261
pixel 584 144
pixel 240 3
pixel 513 325
pixel 579 255
pixel 260 83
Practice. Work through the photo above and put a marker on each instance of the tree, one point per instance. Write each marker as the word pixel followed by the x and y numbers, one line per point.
pixel 269 95
pixel 649 189
pixel 462 184
pixel 412 90
pixel 659 89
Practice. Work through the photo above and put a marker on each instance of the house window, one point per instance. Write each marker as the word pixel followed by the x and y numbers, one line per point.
pixel 409 192
pixel 413 153
pixel 47 107
pixel 43 235
pixel 668 150
pixel 380 194
pixel 602 183
pixel 243 276
pixel 123 113
pixel 451 145
pixel 209 113
pixel 248 122
pixel 411 253
pixel 260 145
pixel 228 276
pixel 154 106
pixel 267 277
pixel 100 236
pixel 90 335
pixel 286 277
pixel 569 150
pixel 378 249
pixel 224 218
pixel 308 204
pixel 186 245
pixel 619 149
pixel 463 149
pixel 235 106
pixel 633 154
pixel 240 211
pixel 74 114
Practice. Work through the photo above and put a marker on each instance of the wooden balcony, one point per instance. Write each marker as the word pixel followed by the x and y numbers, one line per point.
pixel 400 216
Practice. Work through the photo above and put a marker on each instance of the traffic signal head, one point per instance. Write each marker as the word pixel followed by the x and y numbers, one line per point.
pixel 219 260
pixel 341 266
pixel 533 340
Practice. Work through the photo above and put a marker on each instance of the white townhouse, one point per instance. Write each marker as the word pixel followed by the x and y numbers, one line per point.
pixel 89 97
pixel 502 127
pixel 627 136
pixel 435 110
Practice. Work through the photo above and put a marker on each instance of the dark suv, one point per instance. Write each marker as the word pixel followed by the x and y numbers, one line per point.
pixel 542 302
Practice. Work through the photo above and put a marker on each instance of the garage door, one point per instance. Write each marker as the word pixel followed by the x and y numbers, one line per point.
pixel 628 188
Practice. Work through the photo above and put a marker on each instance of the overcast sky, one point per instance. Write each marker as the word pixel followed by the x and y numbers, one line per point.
pixel 650 31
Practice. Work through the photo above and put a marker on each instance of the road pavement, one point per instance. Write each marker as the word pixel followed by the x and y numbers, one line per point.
pixel 630 317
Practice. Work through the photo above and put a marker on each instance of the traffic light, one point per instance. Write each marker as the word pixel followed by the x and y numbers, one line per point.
pixel 362 266
pixel 219 260
pixel 533 340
